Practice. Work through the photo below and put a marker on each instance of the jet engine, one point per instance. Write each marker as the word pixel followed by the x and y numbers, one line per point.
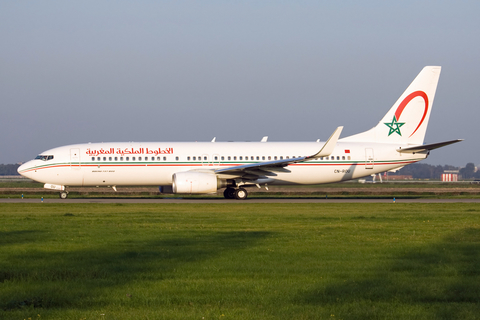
pixel 195 182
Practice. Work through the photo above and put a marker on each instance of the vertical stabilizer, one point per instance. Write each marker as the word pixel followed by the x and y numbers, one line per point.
pixel 406 122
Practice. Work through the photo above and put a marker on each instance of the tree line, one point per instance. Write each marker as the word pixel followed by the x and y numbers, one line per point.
pixel 428 171
pixel 8 169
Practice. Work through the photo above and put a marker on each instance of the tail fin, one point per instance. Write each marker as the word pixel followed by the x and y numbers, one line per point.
pixel 406 122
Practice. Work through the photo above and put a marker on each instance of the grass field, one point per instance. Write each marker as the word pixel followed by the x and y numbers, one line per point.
pixel 240 261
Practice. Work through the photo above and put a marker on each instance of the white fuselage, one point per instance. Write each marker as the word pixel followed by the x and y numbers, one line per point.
pixel 152 163
pixel 205 167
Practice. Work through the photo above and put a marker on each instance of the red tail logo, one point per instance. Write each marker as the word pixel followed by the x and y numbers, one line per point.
pixel 406 101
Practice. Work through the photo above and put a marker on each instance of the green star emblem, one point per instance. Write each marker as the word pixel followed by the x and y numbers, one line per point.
pixel 394 126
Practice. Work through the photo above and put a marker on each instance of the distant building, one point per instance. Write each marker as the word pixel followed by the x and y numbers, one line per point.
pixel 449 177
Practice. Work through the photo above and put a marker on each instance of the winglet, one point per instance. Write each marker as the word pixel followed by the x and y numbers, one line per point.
pixel 328 147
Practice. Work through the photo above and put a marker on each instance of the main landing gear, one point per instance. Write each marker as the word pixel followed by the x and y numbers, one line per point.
pixel 232 193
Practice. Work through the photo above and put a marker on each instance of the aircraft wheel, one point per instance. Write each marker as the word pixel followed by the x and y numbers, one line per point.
pixel 63 195
pixel 241 194
pixel 229 193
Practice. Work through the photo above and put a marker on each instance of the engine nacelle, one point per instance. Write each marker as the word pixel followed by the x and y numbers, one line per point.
pixel 194 182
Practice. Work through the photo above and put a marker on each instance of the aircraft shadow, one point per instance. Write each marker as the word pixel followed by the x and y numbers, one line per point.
pixel 95 270
pixel 8 238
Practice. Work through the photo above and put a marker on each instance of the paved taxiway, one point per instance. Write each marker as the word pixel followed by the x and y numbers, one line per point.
pixel 252 200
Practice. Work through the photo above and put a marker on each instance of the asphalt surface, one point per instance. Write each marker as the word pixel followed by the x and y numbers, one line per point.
pixel 218 200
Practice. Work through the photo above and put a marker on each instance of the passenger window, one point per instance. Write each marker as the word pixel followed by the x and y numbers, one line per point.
pixel 93 158
pixel 104 158
pixel 275 158
pixel 338 157
pixel 133 158
pixel 223 158
pixel 164 158
pixel 332 158
pixel 116 158
pixel 269 158
pixel 348 157
pixel 287 157
pixel 258 158
pixel 194 158
pixel 240 158
pixel 229 158
pixel 140 158
pixel 98 158
pixel 343 157
pixel 121 158
pixel 176 158
pixel 127 158
pixel 109 158
pixel 188 158
pixel 205 158
pixel 234 157
pixel 281 157
pixel 215 158
pixel 263 157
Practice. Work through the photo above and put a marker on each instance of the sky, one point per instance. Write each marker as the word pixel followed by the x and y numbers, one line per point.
pixel 107 71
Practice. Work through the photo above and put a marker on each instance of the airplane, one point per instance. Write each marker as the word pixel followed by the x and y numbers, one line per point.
pixel 205 167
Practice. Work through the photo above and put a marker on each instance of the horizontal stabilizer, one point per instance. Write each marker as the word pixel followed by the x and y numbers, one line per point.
pixel 427 146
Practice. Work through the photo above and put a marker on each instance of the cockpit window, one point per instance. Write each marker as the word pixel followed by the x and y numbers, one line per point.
pixel 44 157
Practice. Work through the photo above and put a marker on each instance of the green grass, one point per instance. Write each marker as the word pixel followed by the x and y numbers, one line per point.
pixel 332 191
pixel 239 261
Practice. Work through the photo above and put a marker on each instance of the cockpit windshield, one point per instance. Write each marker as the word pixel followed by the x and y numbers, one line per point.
pixel 44 157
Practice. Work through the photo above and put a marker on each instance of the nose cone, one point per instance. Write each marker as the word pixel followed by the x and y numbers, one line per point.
pixel 26 169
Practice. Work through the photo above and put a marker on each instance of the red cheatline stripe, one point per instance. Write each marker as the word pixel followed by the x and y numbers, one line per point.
pixel 359 163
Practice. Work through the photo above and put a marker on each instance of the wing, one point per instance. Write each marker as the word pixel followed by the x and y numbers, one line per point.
pixel 256 170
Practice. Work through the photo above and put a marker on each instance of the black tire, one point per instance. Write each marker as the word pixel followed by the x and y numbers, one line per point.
pixel 63 195
pixel 229 193
pixel 241 194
